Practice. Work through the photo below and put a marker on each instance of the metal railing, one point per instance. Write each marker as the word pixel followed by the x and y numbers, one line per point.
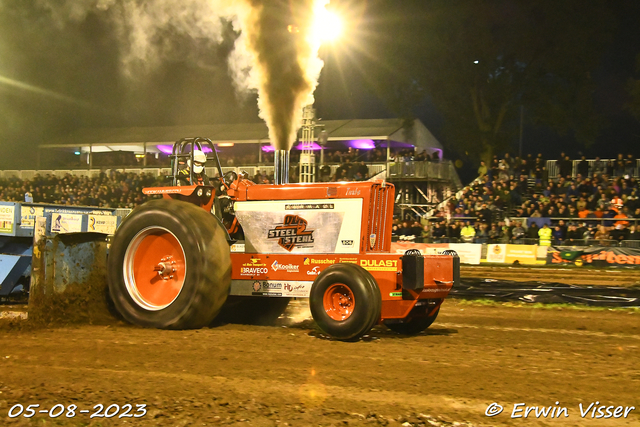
pixel 434 172
pixel 523 241
pixel 444 170
pixel 553 170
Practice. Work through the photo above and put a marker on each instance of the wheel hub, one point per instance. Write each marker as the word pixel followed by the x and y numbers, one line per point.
pixel 166 268
pixel 339 302
pixel 154 268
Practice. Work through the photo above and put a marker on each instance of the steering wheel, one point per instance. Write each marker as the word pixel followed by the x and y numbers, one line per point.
pixel 229 177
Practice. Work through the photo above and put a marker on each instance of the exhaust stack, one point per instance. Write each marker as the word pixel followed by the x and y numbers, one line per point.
pixel 281 167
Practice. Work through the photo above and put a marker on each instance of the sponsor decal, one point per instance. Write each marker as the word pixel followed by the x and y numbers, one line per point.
pixel 292 288
pixel 6 218
pixel 66 223
pixel 353 192
pixel 253 271
pixel 347 243
pixel 349 260
pixel 395 294
pixel 289 268
pixel 372 240
pixel 267 288
pixel 237 247
pixel 255 262
pixel 301 206
pixel 292 232
pixel 102 224
pixel 609 256
pixel 315 261
pixel 314 271
pixel 436 290
pixel 29 214
pixel 379 264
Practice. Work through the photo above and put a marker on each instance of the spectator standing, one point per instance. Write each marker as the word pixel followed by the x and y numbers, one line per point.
pixel 629 165
pixel 483 234
pixel 619 165
pixel 598 166
pixel 494 234
pixel 454 232
pixel 566 167
pixel 573 234
pixel 482 169
pixel 545 235
pixel 532 231
pixel 590 233
pixel 602 234
pixel 558 235
pixel 583 167
pixel 619 233
pixel 468 233
pixel 517 234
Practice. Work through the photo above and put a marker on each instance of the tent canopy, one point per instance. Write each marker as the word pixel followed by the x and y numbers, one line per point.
pixel 146 139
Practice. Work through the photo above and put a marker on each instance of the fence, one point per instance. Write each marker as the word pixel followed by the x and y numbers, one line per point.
pixel 524 241
pixel 424 169
pixel 553 170
pixel 373 168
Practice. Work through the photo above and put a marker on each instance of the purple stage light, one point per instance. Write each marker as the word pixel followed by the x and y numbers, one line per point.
pixel 268 148
pixel 313 147
pixel 362 144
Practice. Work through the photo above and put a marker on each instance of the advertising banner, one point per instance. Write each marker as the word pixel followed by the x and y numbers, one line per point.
pixel 524 254
pixel 7 218
pixel 288 227
pixel 469 253
pixel 66 223
pixel 29 215
pixel 593 255
pixel 102 224
pixel 496 253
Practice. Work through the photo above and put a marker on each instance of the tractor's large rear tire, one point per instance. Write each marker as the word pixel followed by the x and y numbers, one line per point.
pixel 414 325
pixel 345 301
pixel 169 266
pixel 262 311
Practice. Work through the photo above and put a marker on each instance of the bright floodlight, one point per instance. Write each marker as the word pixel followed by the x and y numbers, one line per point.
pixel 328 25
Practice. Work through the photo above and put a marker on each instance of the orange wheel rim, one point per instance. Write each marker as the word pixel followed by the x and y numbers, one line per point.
pixel 154 268
pixel 338 301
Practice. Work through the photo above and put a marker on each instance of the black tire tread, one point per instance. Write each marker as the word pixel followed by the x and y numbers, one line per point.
pixel 349 272
pixel 205 242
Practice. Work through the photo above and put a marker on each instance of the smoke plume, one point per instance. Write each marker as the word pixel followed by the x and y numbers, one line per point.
pixel 275 52
pixel 280 37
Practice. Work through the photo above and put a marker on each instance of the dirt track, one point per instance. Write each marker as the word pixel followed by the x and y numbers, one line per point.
pixel 265 376
pixel 568 275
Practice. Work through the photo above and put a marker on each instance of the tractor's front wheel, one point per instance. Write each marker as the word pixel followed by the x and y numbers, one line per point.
pixel 345 301
pixel 169 266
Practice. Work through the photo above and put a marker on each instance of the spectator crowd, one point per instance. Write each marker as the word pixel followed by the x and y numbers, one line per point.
pixel 516 201
pixel 111 189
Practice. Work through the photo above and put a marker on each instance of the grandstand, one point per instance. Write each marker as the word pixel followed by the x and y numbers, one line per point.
pixel 583 202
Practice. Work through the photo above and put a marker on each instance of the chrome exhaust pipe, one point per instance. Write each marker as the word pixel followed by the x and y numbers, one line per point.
pixel 281 167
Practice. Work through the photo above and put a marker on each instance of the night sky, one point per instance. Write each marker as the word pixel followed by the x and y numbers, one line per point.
pixel 60 72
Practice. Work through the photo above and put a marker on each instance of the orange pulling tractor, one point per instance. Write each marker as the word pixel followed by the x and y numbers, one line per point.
pixel 175 261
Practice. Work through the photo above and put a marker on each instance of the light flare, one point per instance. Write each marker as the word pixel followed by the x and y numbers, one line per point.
pixel 327 25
